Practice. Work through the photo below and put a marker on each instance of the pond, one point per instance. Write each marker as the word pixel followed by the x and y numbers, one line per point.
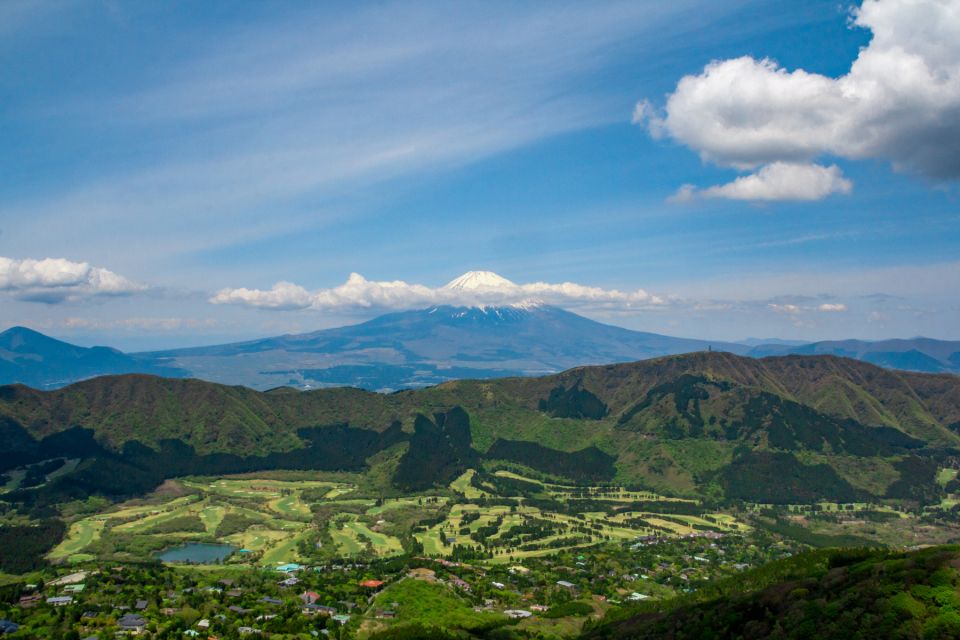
pixel 196 553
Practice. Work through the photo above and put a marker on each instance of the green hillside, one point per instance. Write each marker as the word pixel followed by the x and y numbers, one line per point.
pixel 821 594
pixel 779 430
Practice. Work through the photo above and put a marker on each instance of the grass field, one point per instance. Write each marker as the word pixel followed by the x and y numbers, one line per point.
pixel 271 519
pixel 82 533
pixel 463 485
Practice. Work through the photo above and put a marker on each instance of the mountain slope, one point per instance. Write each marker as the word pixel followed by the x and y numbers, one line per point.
pixel 31 358
pixel 818 594
pixel 428 346
pixel 690 425
pixel 916 354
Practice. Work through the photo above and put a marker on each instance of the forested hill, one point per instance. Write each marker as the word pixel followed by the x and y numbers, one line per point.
pixel 219 418
pixel 779 429
pixel 830 594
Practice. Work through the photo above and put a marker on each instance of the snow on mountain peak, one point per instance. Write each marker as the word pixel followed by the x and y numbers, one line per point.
pixel 478 280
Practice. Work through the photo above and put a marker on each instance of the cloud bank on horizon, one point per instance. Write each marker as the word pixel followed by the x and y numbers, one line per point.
pixel 474 288
pixel 899 102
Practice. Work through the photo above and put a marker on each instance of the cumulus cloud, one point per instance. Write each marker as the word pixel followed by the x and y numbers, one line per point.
pixel 900 101
pixel 794 309
pixel 55 280
pixel 777 181
pixel 471 289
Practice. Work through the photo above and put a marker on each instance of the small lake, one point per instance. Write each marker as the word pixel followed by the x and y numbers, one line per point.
pixel 197 553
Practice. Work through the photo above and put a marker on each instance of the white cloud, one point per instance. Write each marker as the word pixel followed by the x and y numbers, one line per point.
pixel 832 307
pixel 776 181
pixel 785 308
pixel 900 101
pixel 483 289
pixel 794 309
pixel 54 280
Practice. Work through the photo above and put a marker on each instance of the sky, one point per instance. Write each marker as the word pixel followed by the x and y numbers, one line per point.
pixel 184 173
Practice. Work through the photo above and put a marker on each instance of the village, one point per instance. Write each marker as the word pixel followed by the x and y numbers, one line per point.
pixel 552 595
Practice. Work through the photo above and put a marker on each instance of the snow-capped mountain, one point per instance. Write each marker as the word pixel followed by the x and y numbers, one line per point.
pixel 480 280
pixel 427 346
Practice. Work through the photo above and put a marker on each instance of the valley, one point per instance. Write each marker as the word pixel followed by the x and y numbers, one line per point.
pixel 507 508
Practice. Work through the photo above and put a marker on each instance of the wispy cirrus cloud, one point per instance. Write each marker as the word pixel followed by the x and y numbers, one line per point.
pixel 257 131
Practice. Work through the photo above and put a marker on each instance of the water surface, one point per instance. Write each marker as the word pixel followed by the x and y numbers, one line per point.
pixel 197 553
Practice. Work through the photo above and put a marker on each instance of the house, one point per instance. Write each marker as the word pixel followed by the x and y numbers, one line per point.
pixel 203 624
pixel 566 585
pixel 237 609
pixel 290 567
pixel 371 584
pixel 318 610
pixel 498 585
pixel 539 608
pixel 637 597
pixel 132 623
pixel 60 601
pixel 192 633
pixel 8 627
pixel 270 600
pixel 245 631
pixel 27 602
pixel 169 611
pixel 234 593
pixel 517 614
pixel 289 582
pixel 460 583
pixel 74 588
pixel 342 618
pixel 386 614
pixel 141 605
pixel 309 597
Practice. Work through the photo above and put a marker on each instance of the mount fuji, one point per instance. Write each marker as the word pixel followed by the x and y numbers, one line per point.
pixel 473 338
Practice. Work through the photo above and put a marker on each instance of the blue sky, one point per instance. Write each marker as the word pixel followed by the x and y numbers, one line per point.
pixel 166 164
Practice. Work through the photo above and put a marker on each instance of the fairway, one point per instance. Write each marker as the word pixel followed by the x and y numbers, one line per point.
pixel 284 551
pixel 80 535
pixel 271 518
pixel 290 505
pixel 383 545
pixel 345 539
pixel 464 485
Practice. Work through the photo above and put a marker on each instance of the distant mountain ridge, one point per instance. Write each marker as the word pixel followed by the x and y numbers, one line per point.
pixel 429 346
pixel 913 354
pixel 31 358
pixel 412 349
